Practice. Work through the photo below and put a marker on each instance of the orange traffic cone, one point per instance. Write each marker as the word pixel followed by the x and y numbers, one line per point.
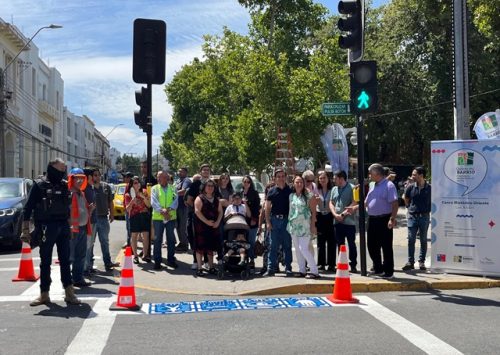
pixel 26 269
pixel 342 292
pixel 126 292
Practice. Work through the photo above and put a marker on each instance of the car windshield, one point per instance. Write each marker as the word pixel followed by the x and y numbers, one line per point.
pixel 120 190
pixel 10 189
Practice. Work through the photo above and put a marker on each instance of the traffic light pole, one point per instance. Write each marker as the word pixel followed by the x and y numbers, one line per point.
pixel 149 135
pixel 361 180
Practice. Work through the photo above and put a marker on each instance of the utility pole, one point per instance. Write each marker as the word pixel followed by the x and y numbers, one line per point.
pixel 461 72
pixel 3 112
pixel 361 180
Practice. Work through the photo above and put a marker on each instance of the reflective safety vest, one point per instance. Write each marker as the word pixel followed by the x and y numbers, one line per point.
pixel 165 198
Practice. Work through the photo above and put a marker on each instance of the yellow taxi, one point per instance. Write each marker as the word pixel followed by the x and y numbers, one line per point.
pixel 119 208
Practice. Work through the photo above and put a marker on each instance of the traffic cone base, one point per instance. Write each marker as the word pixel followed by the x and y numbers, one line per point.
pixel 126 293
pixel 26 268
pixel 342 291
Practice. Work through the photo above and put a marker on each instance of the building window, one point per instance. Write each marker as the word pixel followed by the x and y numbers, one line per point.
pixel 57 100
pixel 69 150
pixel 44 92
pixel 68 125
pixel 33 82
pixel 46 131
pixel 76 131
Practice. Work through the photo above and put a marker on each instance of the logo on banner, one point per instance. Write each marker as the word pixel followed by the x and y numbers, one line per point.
pixel 465 158
pixel 466 167
pixel 441 258
pixel 487 126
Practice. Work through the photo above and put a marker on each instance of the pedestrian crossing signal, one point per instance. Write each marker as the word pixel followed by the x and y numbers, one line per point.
pixel 363 87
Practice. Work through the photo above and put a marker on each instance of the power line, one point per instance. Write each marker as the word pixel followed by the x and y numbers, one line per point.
pixel 433 105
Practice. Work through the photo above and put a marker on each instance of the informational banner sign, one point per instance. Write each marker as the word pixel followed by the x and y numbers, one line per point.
pixel 487 126
pixel 466 206
pixel 335 145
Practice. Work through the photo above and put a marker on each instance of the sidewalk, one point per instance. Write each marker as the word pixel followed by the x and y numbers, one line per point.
pixel 183 281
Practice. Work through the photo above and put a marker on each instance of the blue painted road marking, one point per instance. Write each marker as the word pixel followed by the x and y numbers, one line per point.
pixel 238 304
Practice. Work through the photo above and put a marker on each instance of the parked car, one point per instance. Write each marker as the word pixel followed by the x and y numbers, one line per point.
pixel 119 208
pixel 13 197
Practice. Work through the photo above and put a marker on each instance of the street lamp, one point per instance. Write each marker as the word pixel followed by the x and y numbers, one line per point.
pixel 102 150
pixel 3 103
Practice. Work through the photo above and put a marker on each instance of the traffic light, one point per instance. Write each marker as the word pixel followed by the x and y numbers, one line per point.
pixel 142 116
pixel 363 76
pixel 149 51
pixel 352 23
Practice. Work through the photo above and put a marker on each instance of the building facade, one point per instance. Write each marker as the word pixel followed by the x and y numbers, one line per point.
pixel 34 123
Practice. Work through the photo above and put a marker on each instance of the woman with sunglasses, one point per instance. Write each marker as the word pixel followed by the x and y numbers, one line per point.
pixel 208 215
pixel 137 205
pixel 252 200
pixel 326 233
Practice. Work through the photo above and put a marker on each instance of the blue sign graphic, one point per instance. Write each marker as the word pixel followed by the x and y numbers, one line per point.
pixel 239 304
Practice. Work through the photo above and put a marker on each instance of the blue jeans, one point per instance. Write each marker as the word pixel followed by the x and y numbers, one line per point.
pixel 159 227
pixel 417 224
pixel 78 251
pixel 127 223
pixel 252 237
pixel 58 233
pixel 343 231
pixel 101 228
pixel 280 236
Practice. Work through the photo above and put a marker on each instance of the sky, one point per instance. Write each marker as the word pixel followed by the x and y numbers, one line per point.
pixel 93 53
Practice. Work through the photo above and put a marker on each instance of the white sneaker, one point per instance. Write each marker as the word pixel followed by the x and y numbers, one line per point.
pixel 194 266
pixel 206 266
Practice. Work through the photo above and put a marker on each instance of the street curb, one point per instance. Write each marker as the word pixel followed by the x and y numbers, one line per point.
pixel 322 287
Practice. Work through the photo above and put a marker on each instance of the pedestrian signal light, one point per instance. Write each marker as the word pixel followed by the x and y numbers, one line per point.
pixel 363 86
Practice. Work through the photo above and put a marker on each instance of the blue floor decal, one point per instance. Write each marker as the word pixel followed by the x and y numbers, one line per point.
pixel 238 304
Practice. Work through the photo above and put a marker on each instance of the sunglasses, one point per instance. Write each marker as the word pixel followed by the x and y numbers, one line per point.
pixel 246 182
pixel 309 180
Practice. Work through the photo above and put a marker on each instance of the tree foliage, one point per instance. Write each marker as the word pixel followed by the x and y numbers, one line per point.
pixel 229 104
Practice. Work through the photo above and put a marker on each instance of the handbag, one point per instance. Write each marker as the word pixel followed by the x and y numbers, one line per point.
pixel 259 247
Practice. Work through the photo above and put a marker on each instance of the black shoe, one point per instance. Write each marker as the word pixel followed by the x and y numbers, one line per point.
pixel 110 267
pixel 268 274
pixel 321 268
pixel 408 266
pixel 387 276
pixel 332 269
pixel 242 263
pixel 82 283
pixel 354 270
pixel 300 274
pixel 263 271
pixel 147 259
pixel 289 273
pixel 376 273
pixel 172 264
pixel 157 266
pixel 136 260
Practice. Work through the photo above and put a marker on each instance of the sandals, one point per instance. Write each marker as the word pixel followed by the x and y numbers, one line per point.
pixel 136 260
pixel 199 272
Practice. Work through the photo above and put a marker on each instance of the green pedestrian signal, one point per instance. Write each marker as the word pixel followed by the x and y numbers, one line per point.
pixel 363 86
pixel 363 101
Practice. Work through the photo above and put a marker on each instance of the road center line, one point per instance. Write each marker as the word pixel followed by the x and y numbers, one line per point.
pixel 94 333
pixel 419 337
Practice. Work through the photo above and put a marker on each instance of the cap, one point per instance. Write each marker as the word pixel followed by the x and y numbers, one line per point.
pixel 76 171
pixel 128 174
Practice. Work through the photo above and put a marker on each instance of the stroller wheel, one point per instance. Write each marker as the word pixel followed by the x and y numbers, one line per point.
pixel 244 275
pixel 220 274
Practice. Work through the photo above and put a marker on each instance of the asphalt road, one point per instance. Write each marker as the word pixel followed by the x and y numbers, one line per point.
pixel 447 322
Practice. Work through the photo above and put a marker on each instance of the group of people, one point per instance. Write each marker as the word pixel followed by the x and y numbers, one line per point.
pixel 70 214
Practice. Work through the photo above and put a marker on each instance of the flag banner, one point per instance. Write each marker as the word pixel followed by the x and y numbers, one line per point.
pixel 487 126
pixel 335 145
pixel 465 223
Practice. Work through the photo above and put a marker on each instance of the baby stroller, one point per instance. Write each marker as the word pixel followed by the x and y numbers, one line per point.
pixel 235 229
